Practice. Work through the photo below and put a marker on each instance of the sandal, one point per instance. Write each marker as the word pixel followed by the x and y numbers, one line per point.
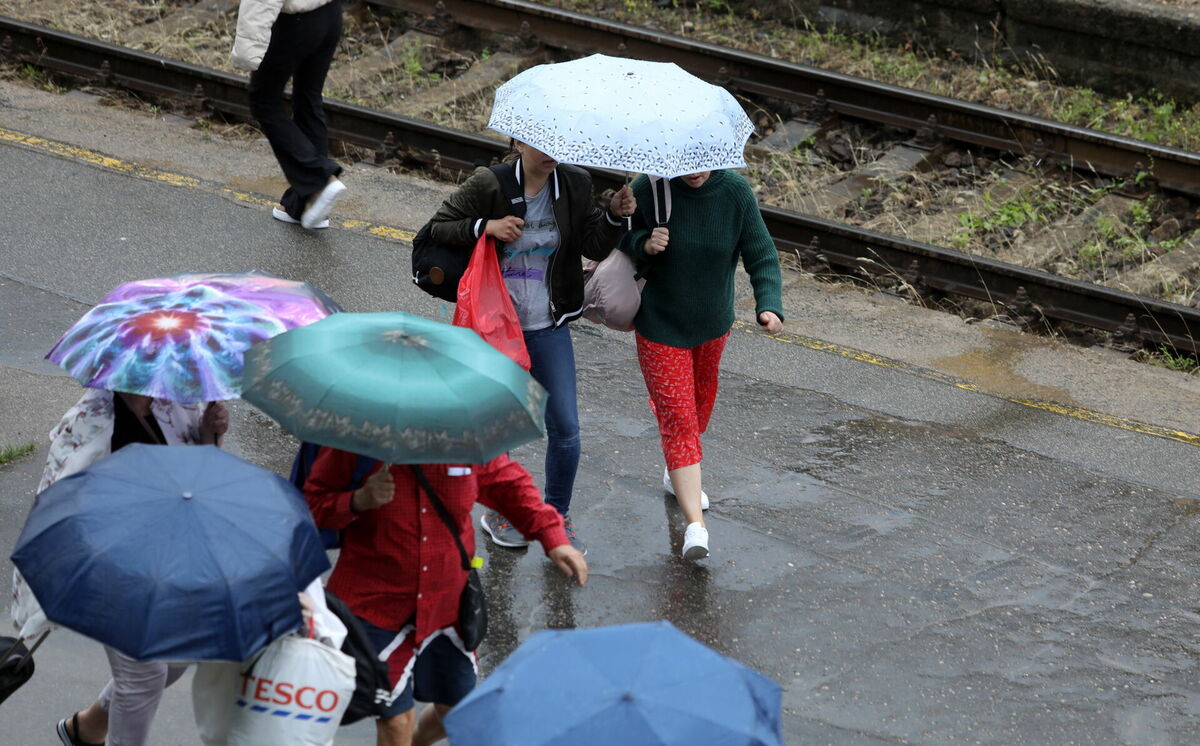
pixel 66 736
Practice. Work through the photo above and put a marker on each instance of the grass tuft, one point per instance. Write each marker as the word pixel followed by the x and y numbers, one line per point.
pixel 9 454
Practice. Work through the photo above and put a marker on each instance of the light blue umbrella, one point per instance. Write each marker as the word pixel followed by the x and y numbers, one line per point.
pixel 634 685
pixel 397 387
pixel 630 115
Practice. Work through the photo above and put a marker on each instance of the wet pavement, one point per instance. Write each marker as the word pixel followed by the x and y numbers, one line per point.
pixel 913 561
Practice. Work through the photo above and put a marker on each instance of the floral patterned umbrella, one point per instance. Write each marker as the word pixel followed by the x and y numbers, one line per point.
pixel 630 115
pixel 181 338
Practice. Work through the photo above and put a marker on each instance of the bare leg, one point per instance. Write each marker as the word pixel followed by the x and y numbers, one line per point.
pixel 395 731
pixel 93 724
pixel 686 481
pixel 429 725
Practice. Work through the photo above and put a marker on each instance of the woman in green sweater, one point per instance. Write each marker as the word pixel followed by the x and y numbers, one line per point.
pixel 687 311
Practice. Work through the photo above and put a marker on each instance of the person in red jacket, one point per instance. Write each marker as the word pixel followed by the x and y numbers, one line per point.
pixel 401 573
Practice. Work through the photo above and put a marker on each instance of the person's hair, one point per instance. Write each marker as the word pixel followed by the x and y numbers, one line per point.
pixel 512 155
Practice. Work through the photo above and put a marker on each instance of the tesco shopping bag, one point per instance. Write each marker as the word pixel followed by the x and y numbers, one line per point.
pixel 484 305
pixel 293 694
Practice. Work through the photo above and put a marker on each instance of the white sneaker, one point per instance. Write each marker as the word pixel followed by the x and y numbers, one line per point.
pixel 322 204
pixel 283 217
pixel 670 488
pixel 695 542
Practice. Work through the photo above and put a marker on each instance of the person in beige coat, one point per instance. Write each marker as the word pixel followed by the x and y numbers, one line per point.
pixel 278 41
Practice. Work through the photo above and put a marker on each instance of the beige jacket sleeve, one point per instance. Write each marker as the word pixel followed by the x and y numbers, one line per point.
pixel 255 19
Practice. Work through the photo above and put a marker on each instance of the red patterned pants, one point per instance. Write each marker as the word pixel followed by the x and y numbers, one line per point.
pixel 682 382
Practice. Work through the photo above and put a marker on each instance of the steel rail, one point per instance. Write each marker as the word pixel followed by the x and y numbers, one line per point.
pixel 960 121
pixel 919 264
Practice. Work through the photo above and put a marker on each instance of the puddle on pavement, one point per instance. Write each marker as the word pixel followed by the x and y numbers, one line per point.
pixel 268 187
pixel 992 368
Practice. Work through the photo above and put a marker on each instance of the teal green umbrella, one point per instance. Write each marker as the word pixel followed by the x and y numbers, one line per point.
pixel 396 387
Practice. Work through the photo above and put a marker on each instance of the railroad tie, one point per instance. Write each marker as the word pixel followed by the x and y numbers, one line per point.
pixel 1049 246
pixel 833 199
pixel 347 78
pixel 1165 276
pixel 479 81
pixel 936 228
pixel 789 135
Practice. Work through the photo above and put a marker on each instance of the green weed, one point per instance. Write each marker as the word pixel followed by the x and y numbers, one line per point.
pixel 1166 357
pixel 9 454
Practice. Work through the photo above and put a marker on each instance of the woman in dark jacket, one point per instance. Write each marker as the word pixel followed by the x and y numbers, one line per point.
pixel 541 261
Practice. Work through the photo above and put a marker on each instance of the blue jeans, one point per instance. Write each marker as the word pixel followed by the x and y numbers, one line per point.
pixel 553 359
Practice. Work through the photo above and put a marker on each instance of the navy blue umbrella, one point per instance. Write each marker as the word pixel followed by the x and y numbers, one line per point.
pixel 634 685
pixel 175 553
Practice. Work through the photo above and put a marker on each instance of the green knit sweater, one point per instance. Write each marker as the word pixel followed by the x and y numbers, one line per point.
pixel 688 298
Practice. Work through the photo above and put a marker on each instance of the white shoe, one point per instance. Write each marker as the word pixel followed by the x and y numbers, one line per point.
pixel 322 204
pixel 670 488
pixel 283 217
pixel 695 542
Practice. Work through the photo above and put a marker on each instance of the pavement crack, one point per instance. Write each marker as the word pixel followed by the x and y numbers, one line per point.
pixel 1182 509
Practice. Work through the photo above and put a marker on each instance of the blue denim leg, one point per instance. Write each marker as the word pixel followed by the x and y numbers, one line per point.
pixel 553 359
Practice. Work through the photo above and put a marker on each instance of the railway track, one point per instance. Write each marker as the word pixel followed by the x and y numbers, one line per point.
pixel 1032 298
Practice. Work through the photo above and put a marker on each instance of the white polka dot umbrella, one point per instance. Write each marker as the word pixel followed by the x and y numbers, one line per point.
pixel 629 115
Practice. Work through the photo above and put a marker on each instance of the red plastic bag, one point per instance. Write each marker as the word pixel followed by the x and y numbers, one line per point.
pixel 484 305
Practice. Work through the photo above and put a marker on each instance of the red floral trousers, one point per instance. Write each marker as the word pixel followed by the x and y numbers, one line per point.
pixel 682 382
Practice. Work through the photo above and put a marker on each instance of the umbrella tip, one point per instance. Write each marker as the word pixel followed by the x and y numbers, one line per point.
pixel 187 496
pixel 627 697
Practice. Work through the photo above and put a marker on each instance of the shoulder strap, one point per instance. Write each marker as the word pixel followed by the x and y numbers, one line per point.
pixel 660 192
pixel 445 514
pixel 514 194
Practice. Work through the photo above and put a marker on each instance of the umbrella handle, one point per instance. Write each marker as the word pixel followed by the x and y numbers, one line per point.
pixel 29 653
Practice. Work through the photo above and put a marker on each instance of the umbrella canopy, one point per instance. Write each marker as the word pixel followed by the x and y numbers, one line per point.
pixel 182 338
pixel 630 115
pixel 397 387
pixel 636 685
pixel 172 553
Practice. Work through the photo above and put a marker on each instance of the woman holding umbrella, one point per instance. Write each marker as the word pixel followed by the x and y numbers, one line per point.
pixel 101 423
pixel 687 311
pixel 542 269
pixel 157 356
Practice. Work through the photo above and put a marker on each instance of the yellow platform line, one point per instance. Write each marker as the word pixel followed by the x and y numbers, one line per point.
pixel 83 155
pixel 1077 413
pixel 392 233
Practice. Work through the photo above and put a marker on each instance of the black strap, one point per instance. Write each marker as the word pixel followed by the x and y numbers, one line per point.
pixel 445 514
pixel 514 193
pixel 660 193
pixel 28 653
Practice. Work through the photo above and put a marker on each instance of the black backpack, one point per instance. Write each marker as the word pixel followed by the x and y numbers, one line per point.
pixel 436 267
pixel 372 690
pixel 302 465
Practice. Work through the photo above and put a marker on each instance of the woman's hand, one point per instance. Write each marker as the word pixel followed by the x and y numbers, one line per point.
pixel 657 242
pixel 506 229
pixel 213 423
pixel 623 202
pixel 377 491
pixel 571 562
pixel 770 322
pixel 307 608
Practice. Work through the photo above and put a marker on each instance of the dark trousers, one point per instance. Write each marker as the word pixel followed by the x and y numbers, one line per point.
pixel 301 48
